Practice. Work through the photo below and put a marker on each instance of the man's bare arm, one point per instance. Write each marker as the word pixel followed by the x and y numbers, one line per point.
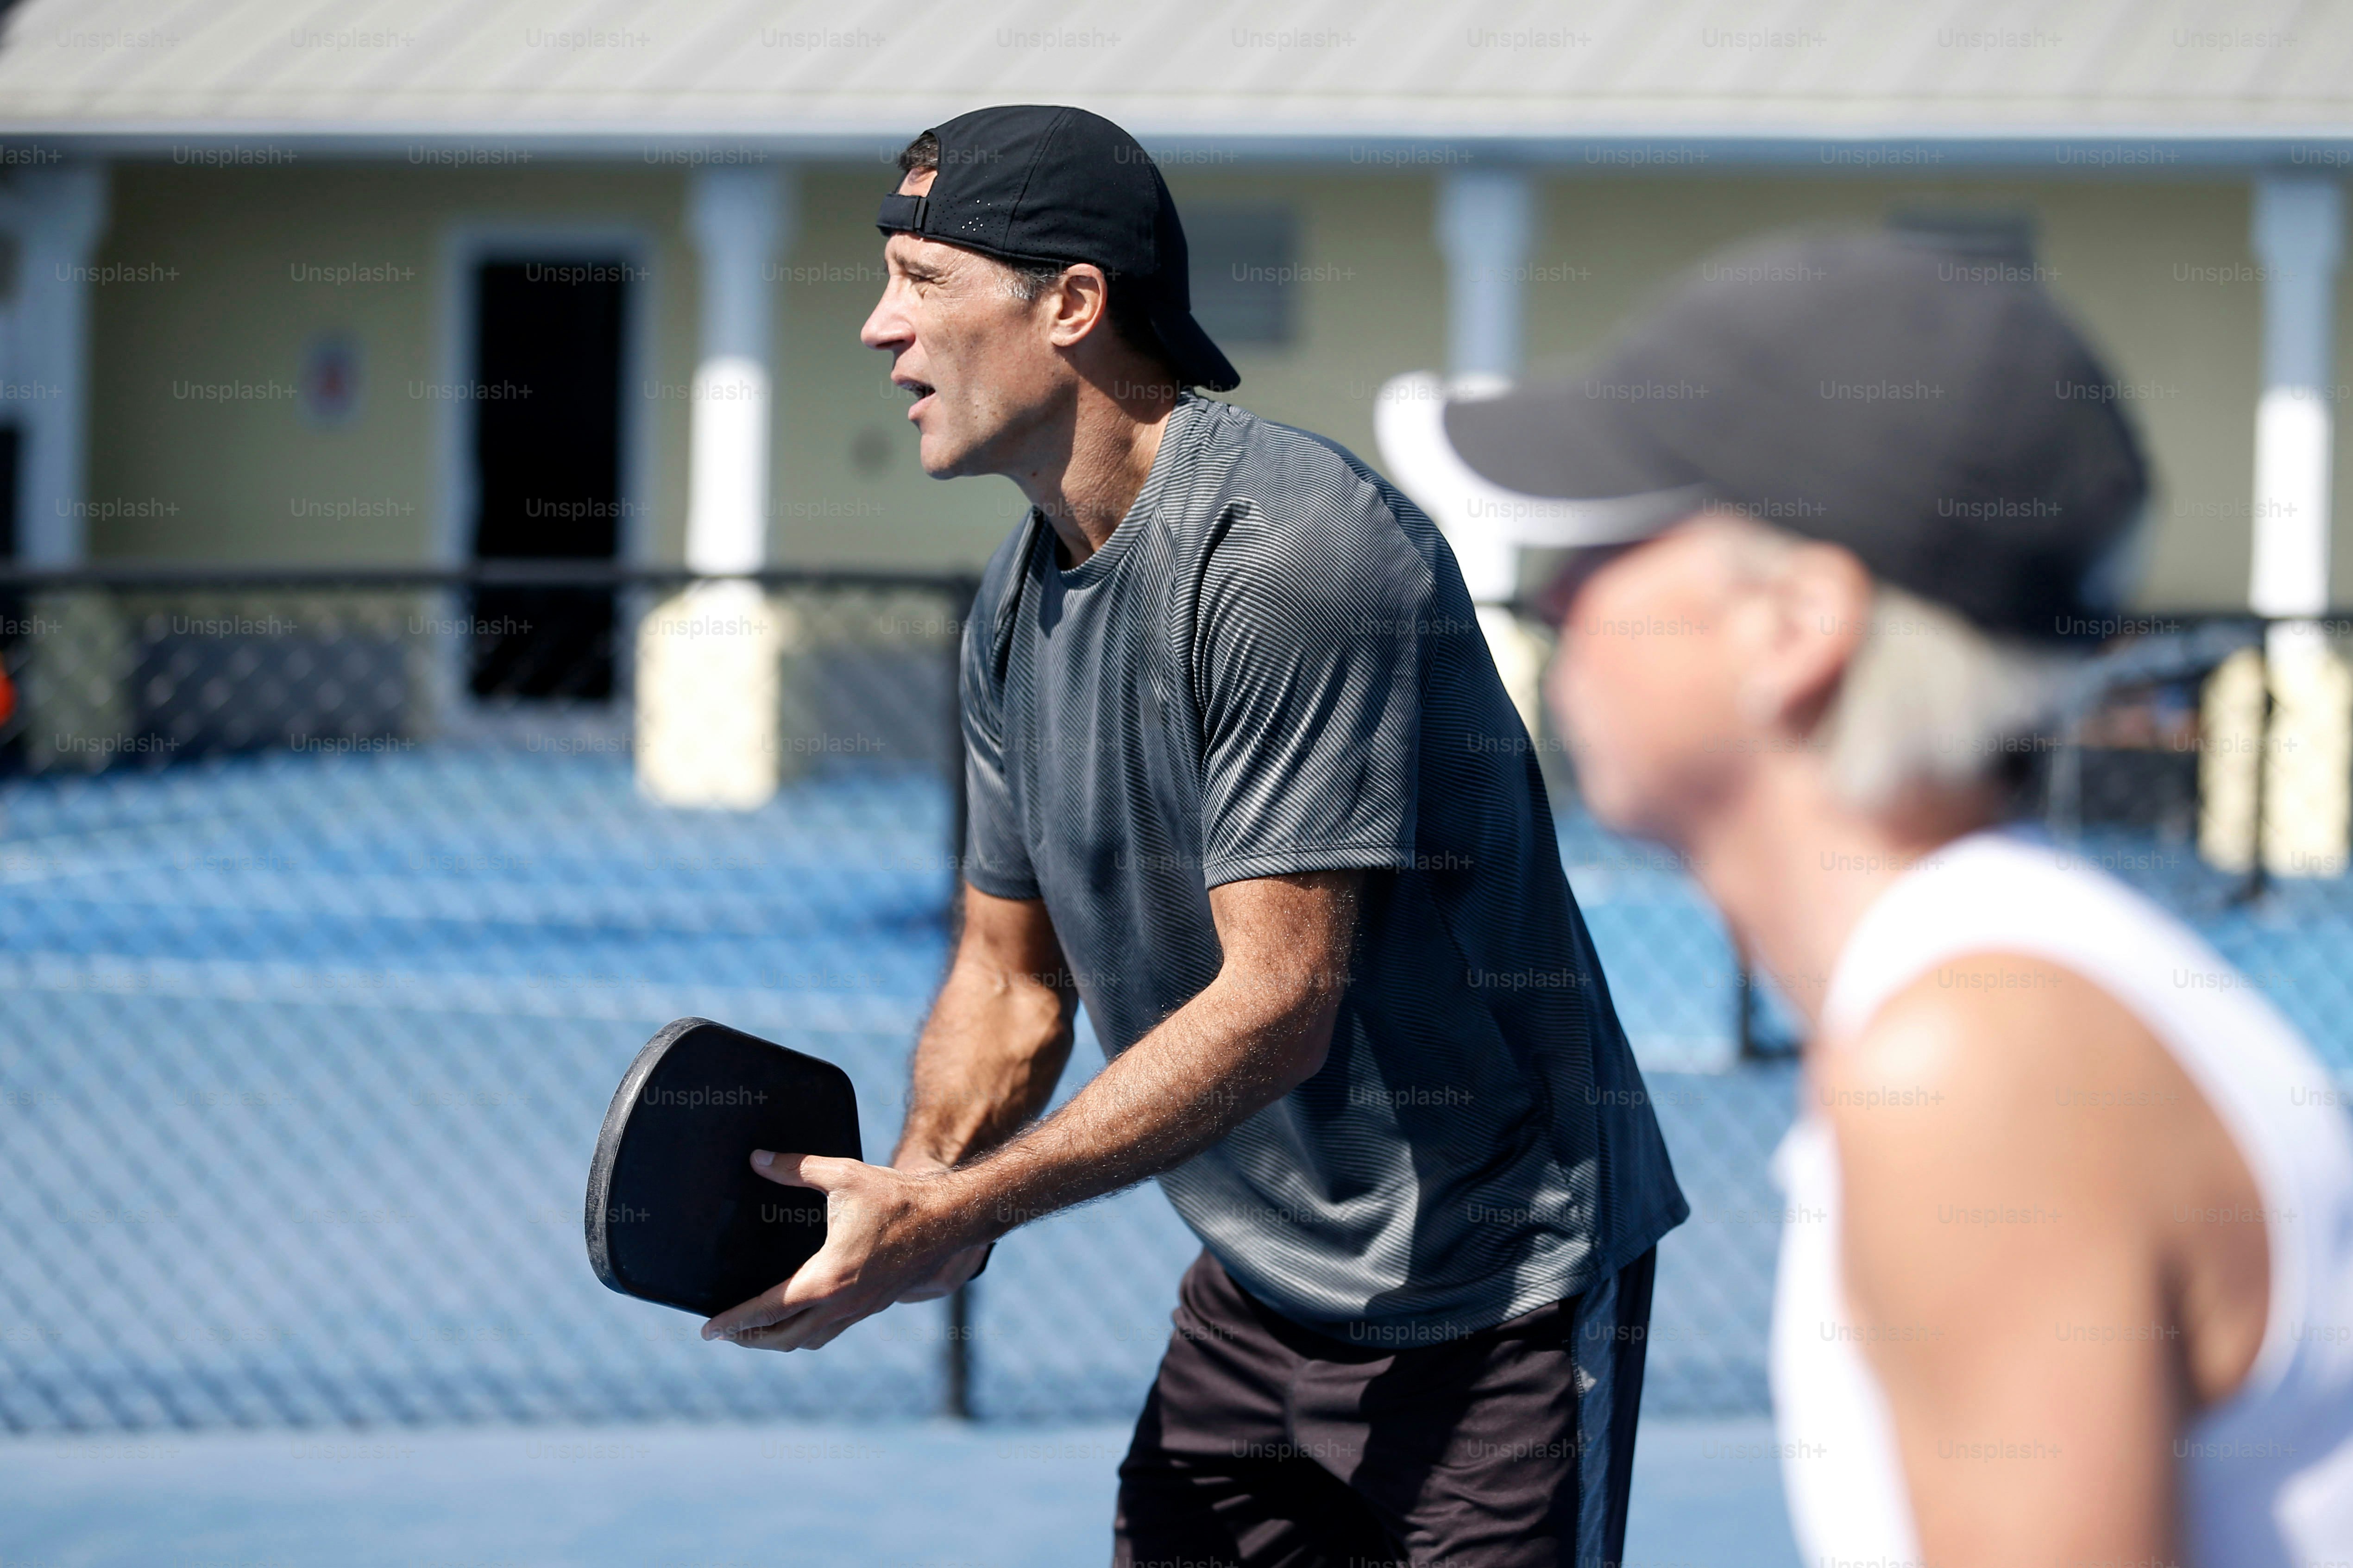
pixel 1257 1031
pixel 998 1038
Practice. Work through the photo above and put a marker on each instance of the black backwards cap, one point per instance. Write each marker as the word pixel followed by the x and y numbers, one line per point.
pixel 1044 183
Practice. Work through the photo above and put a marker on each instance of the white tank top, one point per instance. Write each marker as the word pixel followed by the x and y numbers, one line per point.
pixel 2266 1477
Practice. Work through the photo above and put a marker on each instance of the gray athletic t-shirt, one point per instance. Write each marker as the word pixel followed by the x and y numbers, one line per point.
pixel 1272 667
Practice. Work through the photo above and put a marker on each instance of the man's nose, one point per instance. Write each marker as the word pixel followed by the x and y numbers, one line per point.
pixel 886 325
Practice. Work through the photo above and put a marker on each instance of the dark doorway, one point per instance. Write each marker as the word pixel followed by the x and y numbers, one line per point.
pixel 547 463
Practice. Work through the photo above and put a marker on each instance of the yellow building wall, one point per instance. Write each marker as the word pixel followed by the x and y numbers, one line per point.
pixel 194 428
pixel 2159 271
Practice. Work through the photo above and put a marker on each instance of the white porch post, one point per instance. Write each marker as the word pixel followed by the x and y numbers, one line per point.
pixel 57 215
pixel 1486 225
pixel 1486 222
pixel 740 223
pixel 2304 757
pixel 2298 238
pixel 707 659
pixel 75 687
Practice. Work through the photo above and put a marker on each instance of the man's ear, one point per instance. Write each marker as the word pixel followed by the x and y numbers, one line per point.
pixel 1823 602
pixel 1080 303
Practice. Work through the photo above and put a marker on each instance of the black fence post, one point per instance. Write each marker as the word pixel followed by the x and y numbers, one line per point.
pixel 2257 881
pixel 960 597
pixel 1743 1012
pixel 959 1355
pixel 958 1359
pixel 2063 803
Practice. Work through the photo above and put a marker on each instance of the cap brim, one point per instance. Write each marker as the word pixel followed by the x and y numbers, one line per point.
pixel 1542 464
pixel 1198 361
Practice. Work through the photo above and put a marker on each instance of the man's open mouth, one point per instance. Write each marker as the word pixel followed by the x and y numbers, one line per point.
pixel 918 389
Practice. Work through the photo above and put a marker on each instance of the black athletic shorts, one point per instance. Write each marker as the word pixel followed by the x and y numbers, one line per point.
pixel 1267 1444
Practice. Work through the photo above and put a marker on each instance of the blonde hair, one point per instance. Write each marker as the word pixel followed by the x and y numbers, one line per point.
pixel 1928 697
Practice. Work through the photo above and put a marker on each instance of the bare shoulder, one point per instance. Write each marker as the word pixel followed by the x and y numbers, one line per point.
pixel 1986 1039
pixel 2003 1111
pixel 2017 1070
pixel 1956 1095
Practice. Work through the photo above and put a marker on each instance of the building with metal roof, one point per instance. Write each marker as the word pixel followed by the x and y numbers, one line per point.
pixel 266 259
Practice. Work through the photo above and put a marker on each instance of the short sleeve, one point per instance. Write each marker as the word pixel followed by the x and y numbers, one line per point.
pixel 996 854
pixel 1307 673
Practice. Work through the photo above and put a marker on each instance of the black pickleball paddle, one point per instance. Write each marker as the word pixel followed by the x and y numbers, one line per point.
pixel 676 1214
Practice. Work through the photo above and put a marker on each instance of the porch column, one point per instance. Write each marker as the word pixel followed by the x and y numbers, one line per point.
pixel 75 674
pixel 707 659
pixel 57 215
pixel 2299 757
pixel 1486 225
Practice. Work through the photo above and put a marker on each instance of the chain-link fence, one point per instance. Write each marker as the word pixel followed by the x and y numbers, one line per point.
pixel 2210 764
pixel 336 904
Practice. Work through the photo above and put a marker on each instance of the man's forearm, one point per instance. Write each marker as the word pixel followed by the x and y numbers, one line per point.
pixel 1214 1063
pixel 988 1061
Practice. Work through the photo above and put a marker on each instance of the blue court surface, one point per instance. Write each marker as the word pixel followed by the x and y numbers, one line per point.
pixel 323 1042
pixel 301 1058
pixel 804 1495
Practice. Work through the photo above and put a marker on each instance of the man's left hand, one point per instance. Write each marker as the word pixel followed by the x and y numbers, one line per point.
pixel 888 1237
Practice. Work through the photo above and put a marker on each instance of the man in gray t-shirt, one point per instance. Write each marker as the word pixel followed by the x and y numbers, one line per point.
pixel 1271 669
pixel 1242 779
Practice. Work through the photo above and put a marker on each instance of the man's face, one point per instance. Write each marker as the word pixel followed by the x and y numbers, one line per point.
pixel 976 358
pixel 1646 684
